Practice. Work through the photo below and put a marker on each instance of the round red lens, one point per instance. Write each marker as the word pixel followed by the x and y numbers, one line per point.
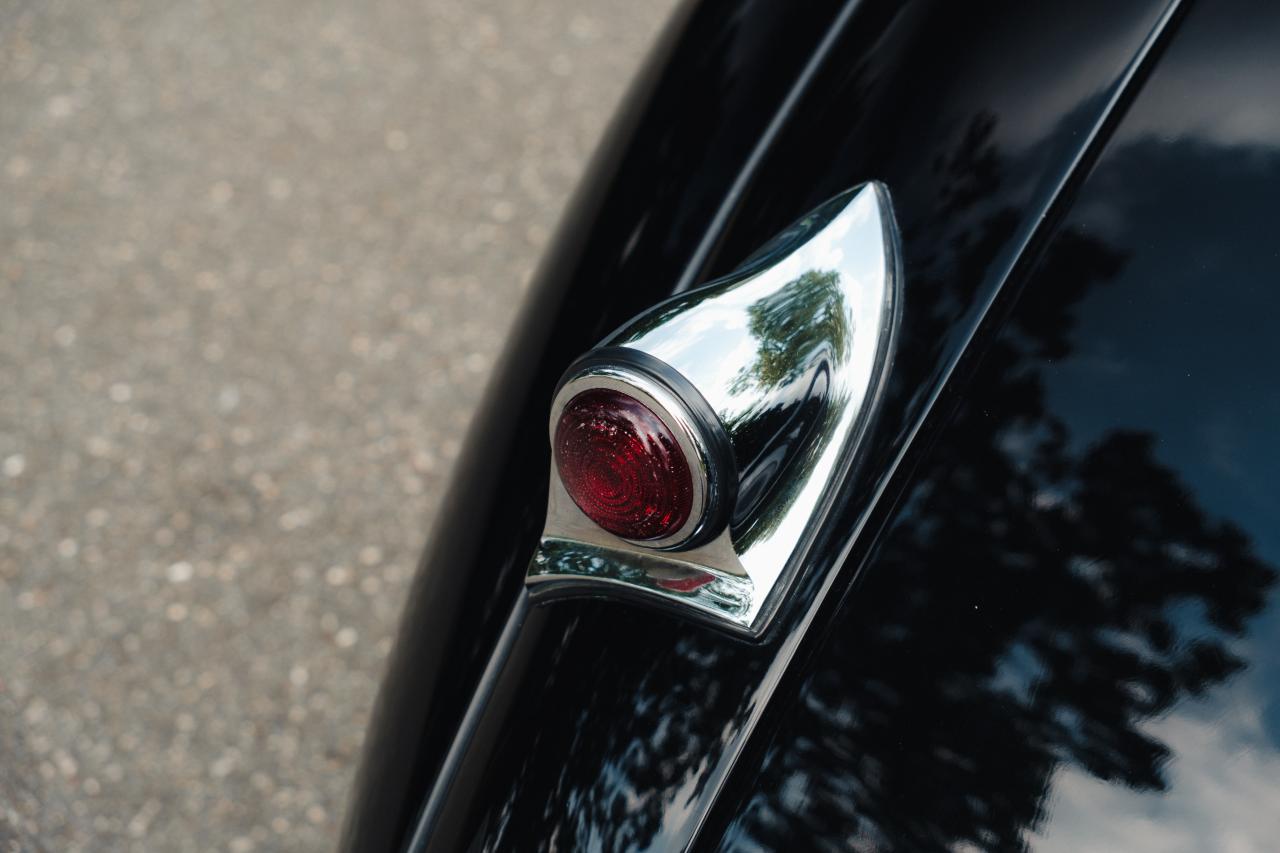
pixel 622 466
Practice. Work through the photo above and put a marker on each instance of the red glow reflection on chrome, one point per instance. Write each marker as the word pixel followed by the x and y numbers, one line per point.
pixel 622 466
pixel 691 582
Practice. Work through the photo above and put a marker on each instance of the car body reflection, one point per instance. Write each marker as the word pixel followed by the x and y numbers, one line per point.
pixel 1068 640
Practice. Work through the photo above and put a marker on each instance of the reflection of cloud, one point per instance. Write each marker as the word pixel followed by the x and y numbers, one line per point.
pixel 1233 90
pixel 1104 360
pixel 1223 447
pixel 1047 91
pixel 1242 113
pixel 1217 84
pixel 1225 767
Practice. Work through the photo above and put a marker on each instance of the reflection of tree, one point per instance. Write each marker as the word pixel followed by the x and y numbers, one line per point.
pixel 798 327
pixel 614 785
pixel 799 331
pixel 1034 605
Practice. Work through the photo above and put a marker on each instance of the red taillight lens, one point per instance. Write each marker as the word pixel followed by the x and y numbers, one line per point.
pixel 622 466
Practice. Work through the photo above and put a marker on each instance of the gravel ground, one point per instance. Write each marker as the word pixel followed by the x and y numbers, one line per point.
pixel 256 260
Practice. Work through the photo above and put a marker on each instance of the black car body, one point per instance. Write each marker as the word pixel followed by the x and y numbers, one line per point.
pixel 1052 621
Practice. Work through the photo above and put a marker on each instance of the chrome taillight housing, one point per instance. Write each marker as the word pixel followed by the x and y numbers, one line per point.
pixel 699 449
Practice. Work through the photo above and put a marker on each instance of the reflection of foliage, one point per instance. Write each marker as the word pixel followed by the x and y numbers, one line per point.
pixel 1071 595
pixel 1035 603
pixel 795 327
pixel 1055 623
pixel 613 785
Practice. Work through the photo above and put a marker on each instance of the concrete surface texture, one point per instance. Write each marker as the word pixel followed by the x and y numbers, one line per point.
pixel 256 260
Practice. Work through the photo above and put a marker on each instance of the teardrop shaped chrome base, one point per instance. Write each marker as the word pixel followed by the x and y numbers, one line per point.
pixel 789 354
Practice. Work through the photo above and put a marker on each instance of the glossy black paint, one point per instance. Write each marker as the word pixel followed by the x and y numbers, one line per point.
pixel 1070 636
pixel 679 142
pixel 612 727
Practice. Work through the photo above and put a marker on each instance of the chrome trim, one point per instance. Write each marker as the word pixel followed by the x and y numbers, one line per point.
pixel 790 352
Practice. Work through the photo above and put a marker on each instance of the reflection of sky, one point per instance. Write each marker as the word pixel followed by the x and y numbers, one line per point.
pixel 1226 782
pixel 1048 90
pixel 708 345
pixel 1184 344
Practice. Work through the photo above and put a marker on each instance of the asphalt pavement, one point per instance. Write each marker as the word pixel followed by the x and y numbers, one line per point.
pixel 256 261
